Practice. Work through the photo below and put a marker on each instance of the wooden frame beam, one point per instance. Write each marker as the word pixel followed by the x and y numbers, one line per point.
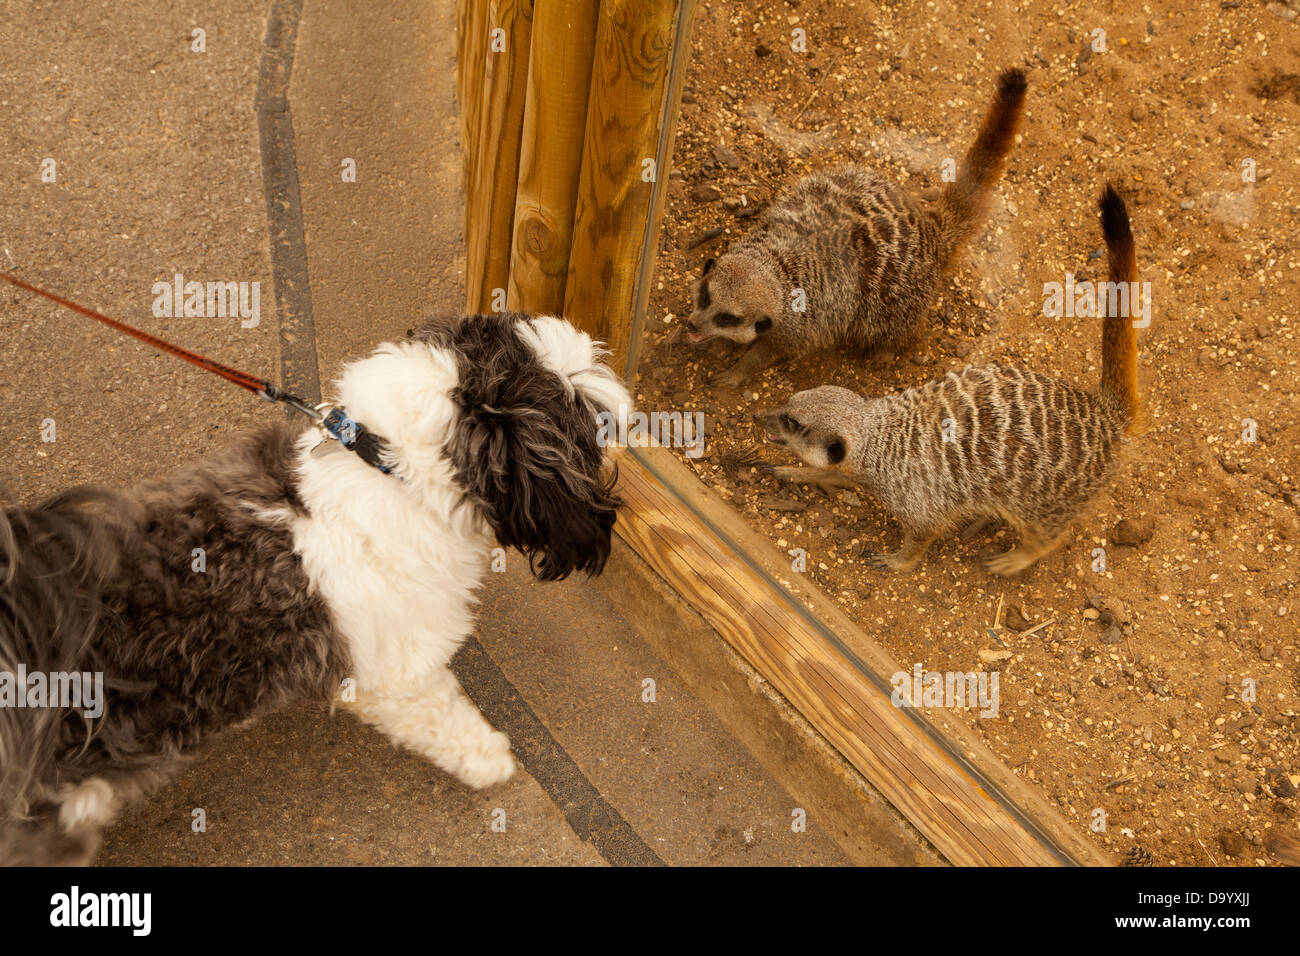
pixel 933 769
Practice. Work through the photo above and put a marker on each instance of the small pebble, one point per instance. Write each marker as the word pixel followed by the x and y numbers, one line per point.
pixel 726 156
pixel 1233 843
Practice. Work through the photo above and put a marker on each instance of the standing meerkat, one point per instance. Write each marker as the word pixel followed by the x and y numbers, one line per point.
pixel 987 441
pixel 846 257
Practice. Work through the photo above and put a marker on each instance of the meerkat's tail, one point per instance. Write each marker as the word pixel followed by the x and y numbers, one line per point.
pixel 965 203
pixel 1119 337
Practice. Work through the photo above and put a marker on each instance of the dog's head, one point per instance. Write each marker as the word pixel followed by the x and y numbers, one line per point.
pixel 501 411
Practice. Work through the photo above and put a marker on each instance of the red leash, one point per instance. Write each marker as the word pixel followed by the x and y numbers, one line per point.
pixel 354 436
pixel 242 379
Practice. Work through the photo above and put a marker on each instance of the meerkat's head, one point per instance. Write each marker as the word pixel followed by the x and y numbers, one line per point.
pixel 738 297
pixel 815 424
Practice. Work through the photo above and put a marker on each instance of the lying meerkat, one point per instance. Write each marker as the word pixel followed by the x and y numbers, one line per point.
pixel 989 440
pixel 846 257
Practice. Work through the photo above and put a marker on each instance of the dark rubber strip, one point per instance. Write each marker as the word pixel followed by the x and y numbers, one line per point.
pixel 299 372
pixel 589 814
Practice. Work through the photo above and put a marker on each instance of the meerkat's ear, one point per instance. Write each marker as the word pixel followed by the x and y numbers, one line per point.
pixel 708 266
pixel 763 324
pixel 835 451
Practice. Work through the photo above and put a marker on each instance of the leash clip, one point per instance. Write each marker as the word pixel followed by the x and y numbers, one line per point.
pixel 336 423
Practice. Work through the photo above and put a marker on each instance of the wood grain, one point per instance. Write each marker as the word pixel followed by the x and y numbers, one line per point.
pixel 495 91
pixel 626 110
pixel 471 47
pixel 929 781
pixel 550 153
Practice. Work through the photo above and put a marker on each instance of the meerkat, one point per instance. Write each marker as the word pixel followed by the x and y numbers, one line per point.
pixel 846 257
pixel 986 441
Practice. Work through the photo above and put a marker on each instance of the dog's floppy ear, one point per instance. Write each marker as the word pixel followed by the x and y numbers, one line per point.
pixel 525 446
pixel 553 502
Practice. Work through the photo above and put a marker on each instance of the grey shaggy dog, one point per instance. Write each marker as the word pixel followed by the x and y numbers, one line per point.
pixel 102 581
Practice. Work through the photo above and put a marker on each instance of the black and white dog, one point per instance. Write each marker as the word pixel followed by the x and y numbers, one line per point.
pixel 315 568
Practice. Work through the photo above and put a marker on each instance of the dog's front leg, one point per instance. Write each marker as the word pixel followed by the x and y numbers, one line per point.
pixel 434 718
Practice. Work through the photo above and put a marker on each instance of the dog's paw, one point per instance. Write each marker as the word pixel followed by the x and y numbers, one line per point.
pixel 91 803
pixel 488 764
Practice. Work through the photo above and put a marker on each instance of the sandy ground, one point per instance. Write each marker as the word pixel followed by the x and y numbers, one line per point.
pixel 158 171
pixel 1176 727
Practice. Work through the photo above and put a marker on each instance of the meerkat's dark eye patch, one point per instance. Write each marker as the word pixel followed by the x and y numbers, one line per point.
pixel 763 324
pixel 789 424
pixel 703 297
pixel 835 452
pixel 708 266
pixel 725 320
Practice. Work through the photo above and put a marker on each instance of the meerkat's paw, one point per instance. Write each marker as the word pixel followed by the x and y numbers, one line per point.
pixel 912 549
pixel 1035 543
pixel 825 479
pixel 730 379
pixel 788 472
pixel 877 560
pixel 489 763
pixel 1010 562
pixel 91 803
pixel 833 481
pixel 889 560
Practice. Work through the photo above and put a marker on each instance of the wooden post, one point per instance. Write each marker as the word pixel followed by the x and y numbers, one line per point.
pixel 639 66
pixel 494 81
pixel 550 153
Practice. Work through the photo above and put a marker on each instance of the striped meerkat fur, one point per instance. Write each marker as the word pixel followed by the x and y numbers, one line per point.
pixel 986 441
pixel 866 256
